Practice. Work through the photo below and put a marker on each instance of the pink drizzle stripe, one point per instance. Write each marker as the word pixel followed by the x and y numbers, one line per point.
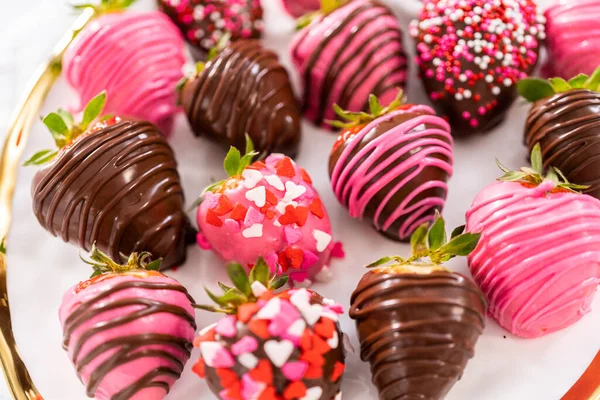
pixel 538 259
pixel 137 58
pixel 415 146
pixel 573 37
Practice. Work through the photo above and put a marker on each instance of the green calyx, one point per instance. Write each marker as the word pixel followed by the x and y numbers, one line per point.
pixel 244 287
pixel 64 130
pixel 103 264
pixel 534 89
pixel 431 247
pixel 3 246
pixel 534 175
pixel 106 6
pixel 376 110
pixel 327 7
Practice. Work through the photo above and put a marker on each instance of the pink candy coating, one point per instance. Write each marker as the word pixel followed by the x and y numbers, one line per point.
pixel 298 8
pixel 162 323
pixel 538 259
pixel 137 57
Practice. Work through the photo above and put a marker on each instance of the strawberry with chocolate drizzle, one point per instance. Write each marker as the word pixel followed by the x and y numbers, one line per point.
pixel 112 182
pixel 204 22
pixel 267 209
pixel 271 346
pixel 471 53
pixel 417 321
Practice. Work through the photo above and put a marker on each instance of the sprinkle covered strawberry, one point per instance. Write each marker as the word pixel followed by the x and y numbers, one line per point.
pixel 111 181
pixel 471 53
pixel 271 346
pixel 537 259
pixel 417 321
pixel 204 22
pixel 564 120
pixel 267 209
pixel 391 166
pixel 128 329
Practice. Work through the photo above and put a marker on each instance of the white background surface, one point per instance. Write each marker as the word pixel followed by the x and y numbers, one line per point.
pixel 42 268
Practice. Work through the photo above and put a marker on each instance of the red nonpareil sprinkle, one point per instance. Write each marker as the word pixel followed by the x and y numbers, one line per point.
pixel 284 167
pixel 247 311
pixel 316 207
pixel 338 370
pixel 295 390
pixel 239 212
pixel 224 206
pixel 227 377
pixel 199 368
pixel 212 218
pixel 305 176
pixel 263 372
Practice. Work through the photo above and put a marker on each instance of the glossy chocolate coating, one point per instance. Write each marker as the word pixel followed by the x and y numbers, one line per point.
pixel 243 90
pixel 117 187
pixel 427 174
pixel 417 331
pixel 567 126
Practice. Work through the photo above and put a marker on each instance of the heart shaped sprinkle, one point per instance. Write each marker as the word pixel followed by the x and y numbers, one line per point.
pixel 258 195
pixel 251 177
pixel 226 326
pixel 275 181
pixel 313 393
pixel 247 344
pixel 294 370
pixel 254 231
pixel 271 309
pixel 279 352
pixel 323 239
pixel 216 355
pixel 293 191
pixel 248 360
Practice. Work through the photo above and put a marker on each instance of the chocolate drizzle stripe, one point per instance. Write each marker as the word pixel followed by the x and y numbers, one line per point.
pixel 129 348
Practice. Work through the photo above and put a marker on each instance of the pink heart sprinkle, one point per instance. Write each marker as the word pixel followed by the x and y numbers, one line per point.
pixel 272 260
pixel 309 260
pixel 232 225
pixel 247 344
pixel 292 235
pixel 294 370
pixel 253 216
pixel 287 315
pixel 338 250
pixel 250 388
pixel 202 241
pixel 211 200
pixel 226 326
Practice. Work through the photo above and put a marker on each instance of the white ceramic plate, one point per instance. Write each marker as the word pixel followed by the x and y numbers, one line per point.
pixel 42 268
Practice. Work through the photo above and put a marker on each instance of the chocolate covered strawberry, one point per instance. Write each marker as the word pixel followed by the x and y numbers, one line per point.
pixel 391 166
pixel 348 51
pixel 537 259
pixel 204 22
pixel 417 321
pixel 267 209
pixel 565 121
pixel 111 181
pixel 271 346
pixel 243 89
pixel 128 329
pixel 471 53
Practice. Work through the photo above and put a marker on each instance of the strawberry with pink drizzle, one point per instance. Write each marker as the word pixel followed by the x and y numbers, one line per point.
pixel 538 257
pixel 346 53
pixel 391 166
pixel 298 8
pixel 271 346
pixel 128 329
pixel 268 209
pixel 137 57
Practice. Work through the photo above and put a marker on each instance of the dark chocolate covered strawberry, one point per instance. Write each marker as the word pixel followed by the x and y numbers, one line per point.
pixel 112 182
pixel 471 53
pixel 271 346
pixel 128 329
pixel 565 120
pixel 243 89
pixel 204 22
pixel 417 321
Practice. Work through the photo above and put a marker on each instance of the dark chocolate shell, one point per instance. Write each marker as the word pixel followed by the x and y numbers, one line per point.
pixel 417 331
pixel 245 90
pixel 393 172
pixel 117 187
pixel 567 126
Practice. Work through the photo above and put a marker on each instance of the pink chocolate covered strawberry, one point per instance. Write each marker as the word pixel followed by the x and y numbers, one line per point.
pixel 284 346
pixel 267 209
pixel 538 257
pixel 128 329
pixel 298 8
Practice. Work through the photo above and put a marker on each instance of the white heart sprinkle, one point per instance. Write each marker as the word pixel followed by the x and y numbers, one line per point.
pixel 314 393
pixel 311 313
pixel 338 396
pixel 275 181
pixel 277 224
pixel 334 341
pixel 279 352
pixel 258 288
pixel 258 195
pixel 248 360
pixel 280 207
pixel 300 298
pixel 209 352
pixel 323 239
pixel 270 310
pixel 297 328
pixel 293 191
pixel 251 177
pixel 254 231
pixel 324 275
pixel 331 315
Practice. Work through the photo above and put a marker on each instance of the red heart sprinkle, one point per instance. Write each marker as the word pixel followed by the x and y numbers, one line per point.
pixel 313 358
pixel 284 167
pixel 263 372
pixel 246 311
pixel 228 377
pixel 295 390
pixel 319 345
pixel 302 213
pixel 269 394
pixel 259 327
pixel 235 391
pixel 239 212
pixel 290 216
pixel 224 206
pixel 325 328
pixel 306 340
pixel 316 207
pixel 271 198
pixel 338 370
pixel 283 261
pixel 305 176
pixel 313 372
pixel 208 336
pixel 257 165
pixel 199 368
pixel 295 256
pixel 213 219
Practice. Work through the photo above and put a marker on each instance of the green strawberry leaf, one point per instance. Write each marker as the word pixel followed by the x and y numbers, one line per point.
pixel 154 265
pixel 57 127
pixel 260 273
pixel 374 105
pixel 361 118
pixel 513 176
pixel 278 282
pixel 224 287
pixel 536 159
pixel 249 145
pixel 560 85
pixel 437 233
pixel 380 262
pixel 457 231
pixel 238 276
pixel 461 245
pixel 578 82
pixel 593 82
pixel 3 246
pixel 232 161
pixel 534 89
pixel 418 240
pixel 67 118
pixel 93 110
pixel 41 157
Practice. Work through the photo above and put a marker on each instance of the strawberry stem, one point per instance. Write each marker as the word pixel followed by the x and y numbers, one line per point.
pixel 376 110
pixel 103 264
